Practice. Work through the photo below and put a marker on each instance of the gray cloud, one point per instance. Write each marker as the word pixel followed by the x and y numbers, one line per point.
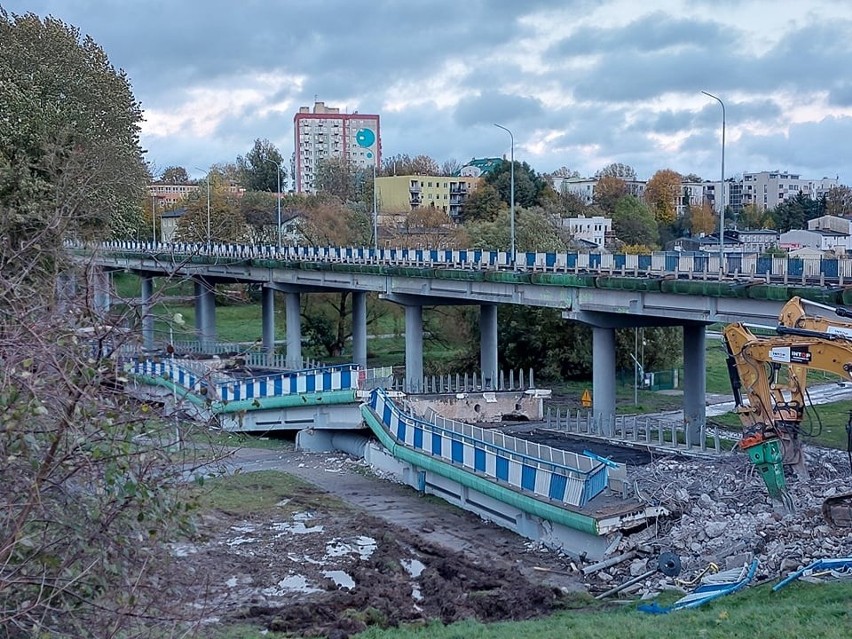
pixel 641 79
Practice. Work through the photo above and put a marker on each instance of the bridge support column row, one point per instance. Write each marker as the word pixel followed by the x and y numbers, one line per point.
pixel 359 329
pixel 488 345
pixel 99 284
pixel 205 311
pixel 293 314
pixel 413 348
pixel 695 380
pixel 147 313
pixel 267 318
pixel 603 375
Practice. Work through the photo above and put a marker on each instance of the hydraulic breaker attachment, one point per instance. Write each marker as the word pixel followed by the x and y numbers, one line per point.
pixel 766 456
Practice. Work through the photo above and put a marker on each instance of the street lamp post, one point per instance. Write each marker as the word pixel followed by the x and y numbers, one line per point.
pixel 278 167
pixel 722 182
pixel 511 188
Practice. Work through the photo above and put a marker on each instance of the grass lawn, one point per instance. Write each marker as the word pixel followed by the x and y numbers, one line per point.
pixel 800 610
pixel 797 611
pixel 824 425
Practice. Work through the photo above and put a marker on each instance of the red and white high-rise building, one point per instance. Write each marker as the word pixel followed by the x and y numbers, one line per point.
pixel 325 132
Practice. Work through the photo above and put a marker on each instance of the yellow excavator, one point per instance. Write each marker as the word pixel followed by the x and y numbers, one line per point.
pixel 771 371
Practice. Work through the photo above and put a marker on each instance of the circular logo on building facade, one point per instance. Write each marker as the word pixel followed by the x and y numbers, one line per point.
pixel 365 137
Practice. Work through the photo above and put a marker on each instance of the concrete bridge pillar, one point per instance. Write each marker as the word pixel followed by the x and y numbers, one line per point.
pixel 488 344
pixel 99 283
pixel 359 329
pixel 603 375
pixel 66 290
pixel 293 310
pixel 413 348
pixel 205 312
pixel 268 320
pixel 147 313
pixel 695 380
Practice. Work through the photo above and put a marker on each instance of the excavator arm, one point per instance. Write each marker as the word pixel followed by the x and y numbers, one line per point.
pixel 771 374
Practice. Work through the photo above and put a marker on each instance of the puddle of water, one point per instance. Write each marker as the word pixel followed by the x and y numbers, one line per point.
pixel 290 584
pixel 340 578
pixel 413 567
pixel 366 546
pixel 362 546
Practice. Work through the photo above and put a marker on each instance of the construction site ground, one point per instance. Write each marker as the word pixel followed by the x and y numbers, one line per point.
pixel 350 549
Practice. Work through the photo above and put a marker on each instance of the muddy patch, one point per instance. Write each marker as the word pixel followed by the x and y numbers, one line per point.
pixel 337 572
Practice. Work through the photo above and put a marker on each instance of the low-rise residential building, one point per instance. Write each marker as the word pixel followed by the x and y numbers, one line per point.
pixel 757 241
pixel 831 223
pixel 403 193
pixel 595 229
pixel 821 240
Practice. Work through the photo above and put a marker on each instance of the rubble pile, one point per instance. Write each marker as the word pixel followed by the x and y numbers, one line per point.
pixel 723 518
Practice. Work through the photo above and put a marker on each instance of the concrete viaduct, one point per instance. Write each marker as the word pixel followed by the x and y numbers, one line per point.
pixel 604 310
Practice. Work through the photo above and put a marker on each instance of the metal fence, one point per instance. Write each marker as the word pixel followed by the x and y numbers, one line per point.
pixel 467 383
pixel 644 429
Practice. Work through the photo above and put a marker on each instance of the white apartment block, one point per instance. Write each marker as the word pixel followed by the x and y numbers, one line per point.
pixel 592 229
pixel 325 132
pixel 768 189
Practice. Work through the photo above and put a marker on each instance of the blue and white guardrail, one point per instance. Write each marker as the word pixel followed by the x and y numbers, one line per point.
pixel 554 474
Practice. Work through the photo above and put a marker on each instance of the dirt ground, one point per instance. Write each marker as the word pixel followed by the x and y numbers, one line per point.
pixel 382 555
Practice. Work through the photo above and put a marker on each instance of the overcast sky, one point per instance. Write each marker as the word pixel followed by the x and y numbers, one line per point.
pixel 581 83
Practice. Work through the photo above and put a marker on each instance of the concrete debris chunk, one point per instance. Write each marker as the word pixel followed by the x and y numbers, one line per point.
pixel 726 518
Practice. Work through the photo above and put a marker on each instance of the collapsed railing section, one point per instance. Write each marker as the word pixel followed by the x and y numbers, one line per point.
pixel 545 472
pixel 668 433
pixel 216 385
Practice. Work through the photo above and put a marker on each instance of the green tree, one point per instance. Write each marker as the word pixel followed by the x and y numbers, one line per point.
pixel 174 175
pixel 217 219
pixel 90 492
pixel 340 178
pixel 796 212
pixel 530 187
pixel 755 217
pixel 634 223
pixel 534 231
pixel 618 170
pixel 69 134
pixel 258 170
pixel 482 205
